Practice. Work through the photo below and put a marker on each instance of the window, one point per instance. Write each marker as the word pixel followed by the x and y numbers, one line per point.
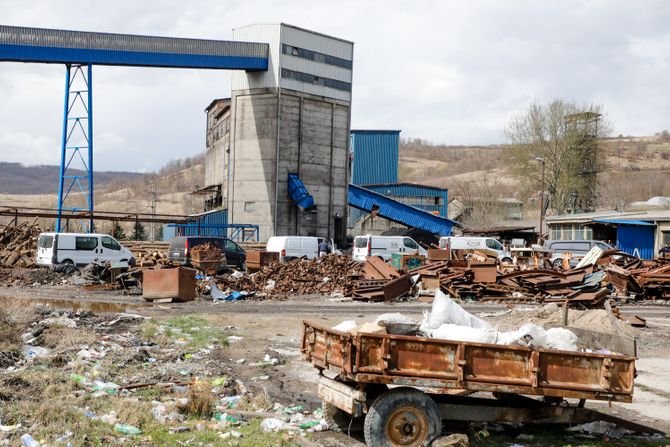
pixel 409 243
pixel 230 245
pixel 316 80
pixel 579 233
pixel 603 245
pixel 493 244
pixel 46 241
pixel 361 242
pixel 665 237
pixel 86 243
pixel 315 56
pixel 110 243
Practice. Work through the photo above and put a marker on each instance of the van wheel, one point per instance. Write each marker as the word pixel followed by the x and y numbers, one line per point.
pixel 506 261
pixel 402 416
pixel 68 262
pixel 558 264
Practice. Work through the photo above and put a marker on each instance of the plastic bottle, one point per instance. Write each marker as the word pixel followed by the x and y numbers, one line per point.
pixel 29 441
pixel 127 429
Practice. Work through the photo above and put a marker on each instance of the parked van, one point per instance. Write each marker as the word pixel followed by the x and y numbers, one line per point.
pixel 476 243
pixel 576 248
pixel 80 249
pixel 293 247
pixel 384 247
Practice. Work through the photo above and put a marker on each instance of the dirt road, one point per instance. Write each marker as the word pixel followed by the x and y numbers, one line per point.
pixel 274 327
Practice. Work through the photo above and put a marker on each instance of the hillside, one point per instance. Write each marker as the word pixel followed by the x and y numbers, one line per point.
pixel 43 179
pixel 637 169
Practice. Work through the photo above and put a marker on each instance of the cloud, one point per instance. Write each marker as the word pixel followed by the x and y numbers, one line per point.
pixel 447 71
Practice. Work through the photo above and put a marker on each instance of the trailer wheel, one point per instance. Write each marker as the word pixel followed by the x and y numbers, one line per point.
pixel 341 421
pixel 402 417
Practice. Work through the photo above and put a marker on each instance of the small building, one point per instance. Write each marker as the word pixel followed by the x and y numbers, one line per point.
pixel 640 233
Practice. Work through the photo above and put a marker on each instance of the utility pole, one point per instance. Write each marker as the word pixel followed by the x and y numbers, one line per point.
pixel 152 194
pixel 541 160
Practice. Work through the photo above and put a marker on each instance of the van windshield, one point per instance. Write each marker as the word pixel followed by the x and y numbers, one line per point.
pixel 361 242
pixel 46 241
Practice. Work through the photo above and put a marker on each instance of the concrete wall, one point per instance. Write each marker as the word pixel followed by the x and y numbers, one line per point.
pixel 217 141
pixel 313 137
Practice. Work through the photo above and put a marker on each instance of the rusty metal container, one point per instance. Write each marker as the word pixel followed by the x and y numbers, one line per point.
pixel 443 365
pixel 257 259
pixel 177 284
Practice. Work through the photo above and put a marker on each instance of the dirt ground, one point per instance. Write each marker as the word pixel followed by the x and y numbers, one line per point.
pixel 260 330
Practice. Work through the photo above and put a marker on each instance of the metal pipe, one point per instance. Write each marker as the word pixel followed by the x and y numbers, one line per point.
pixel 330 167
pixel 296 211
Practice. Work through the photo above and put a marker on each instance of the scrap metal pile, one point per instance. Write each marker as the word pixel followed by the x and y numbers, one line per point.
pixel 609 273
pixel 18 245
pixel 328 274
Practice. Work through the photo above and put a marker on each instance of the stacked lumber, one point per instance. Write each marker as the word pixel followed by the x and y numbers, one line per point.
pixel 147 249
pixel 18 245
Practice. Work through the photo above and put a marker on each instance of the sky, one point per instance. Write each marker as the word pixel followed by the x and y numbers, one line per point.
pixel 451 72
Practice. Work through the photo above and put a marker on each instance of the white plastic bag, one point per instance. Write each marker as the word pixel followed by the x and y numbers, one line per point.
pixel 394 318
pixel 561 338
pixel 527 335
pixel 345 326
pixel 464 333
pixel 446 311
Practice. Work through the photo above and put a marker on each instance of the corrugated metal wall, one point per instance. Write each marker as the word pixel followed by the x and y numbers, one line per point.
pixel 409 194
pixel 636 237
pixel 375 156
pixel 219 217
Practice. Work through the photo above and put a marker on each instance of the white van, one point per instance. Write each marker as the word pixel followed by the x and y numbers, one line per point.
pixel 80 249
pixel 293 247
pixel 384 247
pixel 476 243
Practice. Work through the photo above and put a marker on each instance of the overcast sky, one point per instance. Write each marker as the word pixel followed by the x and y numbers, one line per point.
pixel 449 72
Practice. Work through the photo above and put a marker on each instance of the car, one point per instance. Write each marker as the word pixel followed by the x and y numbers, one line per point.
pixel 294 247
pixel 80 249
pixel 576 248
pixel 476 243
pixel 180 247
pixel 384 246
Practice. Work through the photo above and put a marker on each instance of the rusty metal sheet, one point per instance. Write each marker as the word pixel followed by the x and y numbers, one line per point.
pixel 376 268
pixel 397 288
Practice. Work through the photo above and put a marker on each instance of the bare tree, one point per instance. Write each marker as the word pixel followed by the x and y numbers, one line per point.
pixel 565 138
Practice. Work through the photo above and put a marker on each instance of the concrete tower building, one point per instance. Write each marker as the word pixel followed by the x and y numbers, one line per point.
pixel 293 118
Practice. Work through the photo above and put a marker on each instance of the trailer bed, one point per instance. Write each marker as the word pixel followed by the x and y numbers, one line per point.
pixel 446 366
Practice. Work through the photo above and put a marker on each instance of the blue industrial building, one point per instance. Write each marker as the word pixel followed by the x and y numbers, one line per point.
pixel 427 198
pixel 374 156
pixel 374 166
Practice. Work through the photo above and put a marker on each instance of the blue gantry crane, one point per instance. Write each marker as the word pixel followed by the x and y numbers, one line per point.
pixel 79 51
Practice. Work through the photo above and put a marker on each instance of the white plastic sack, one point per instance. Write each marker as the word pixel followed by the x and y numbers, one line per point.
pixel 345 326
pixel 464 333
pixel 446 311
pixel 272 424
pixel 561 338
pixel 527 335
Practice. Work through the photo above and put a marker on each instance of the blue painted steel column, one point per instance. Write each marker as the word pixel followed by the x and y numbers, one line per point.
pixel 77 149
pixel 90 147
pixel 63 145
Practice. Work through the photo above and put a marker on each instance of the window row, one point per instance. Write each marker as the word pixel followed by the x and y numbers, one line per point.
pixel 316 56
pixel 316 80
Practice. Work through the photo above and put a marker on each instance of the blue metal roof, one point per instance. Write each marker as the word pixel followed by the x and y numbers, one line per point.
pixel 401 213
pixel 375 156
pixel 20 44
pixel 624 222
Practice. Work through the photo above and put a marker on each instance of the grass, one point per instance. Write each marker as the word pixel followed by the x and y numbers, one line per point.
pixel 195 331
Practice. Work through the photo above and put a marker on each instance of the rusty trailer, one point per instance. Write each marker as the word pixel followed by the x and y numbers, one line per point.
pixel 404 386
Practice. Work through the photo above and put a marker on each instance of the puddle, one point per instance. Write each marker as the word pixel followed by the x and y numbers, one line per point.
pixel 99 307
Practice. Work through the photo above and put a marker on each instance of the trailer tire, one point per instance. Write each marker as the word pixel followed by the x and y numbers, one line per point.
pixel 402 417
pixel 341 421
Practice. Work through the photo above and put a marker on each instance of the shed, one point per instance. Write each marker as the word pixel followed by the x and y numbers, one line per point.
pixel 635 237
